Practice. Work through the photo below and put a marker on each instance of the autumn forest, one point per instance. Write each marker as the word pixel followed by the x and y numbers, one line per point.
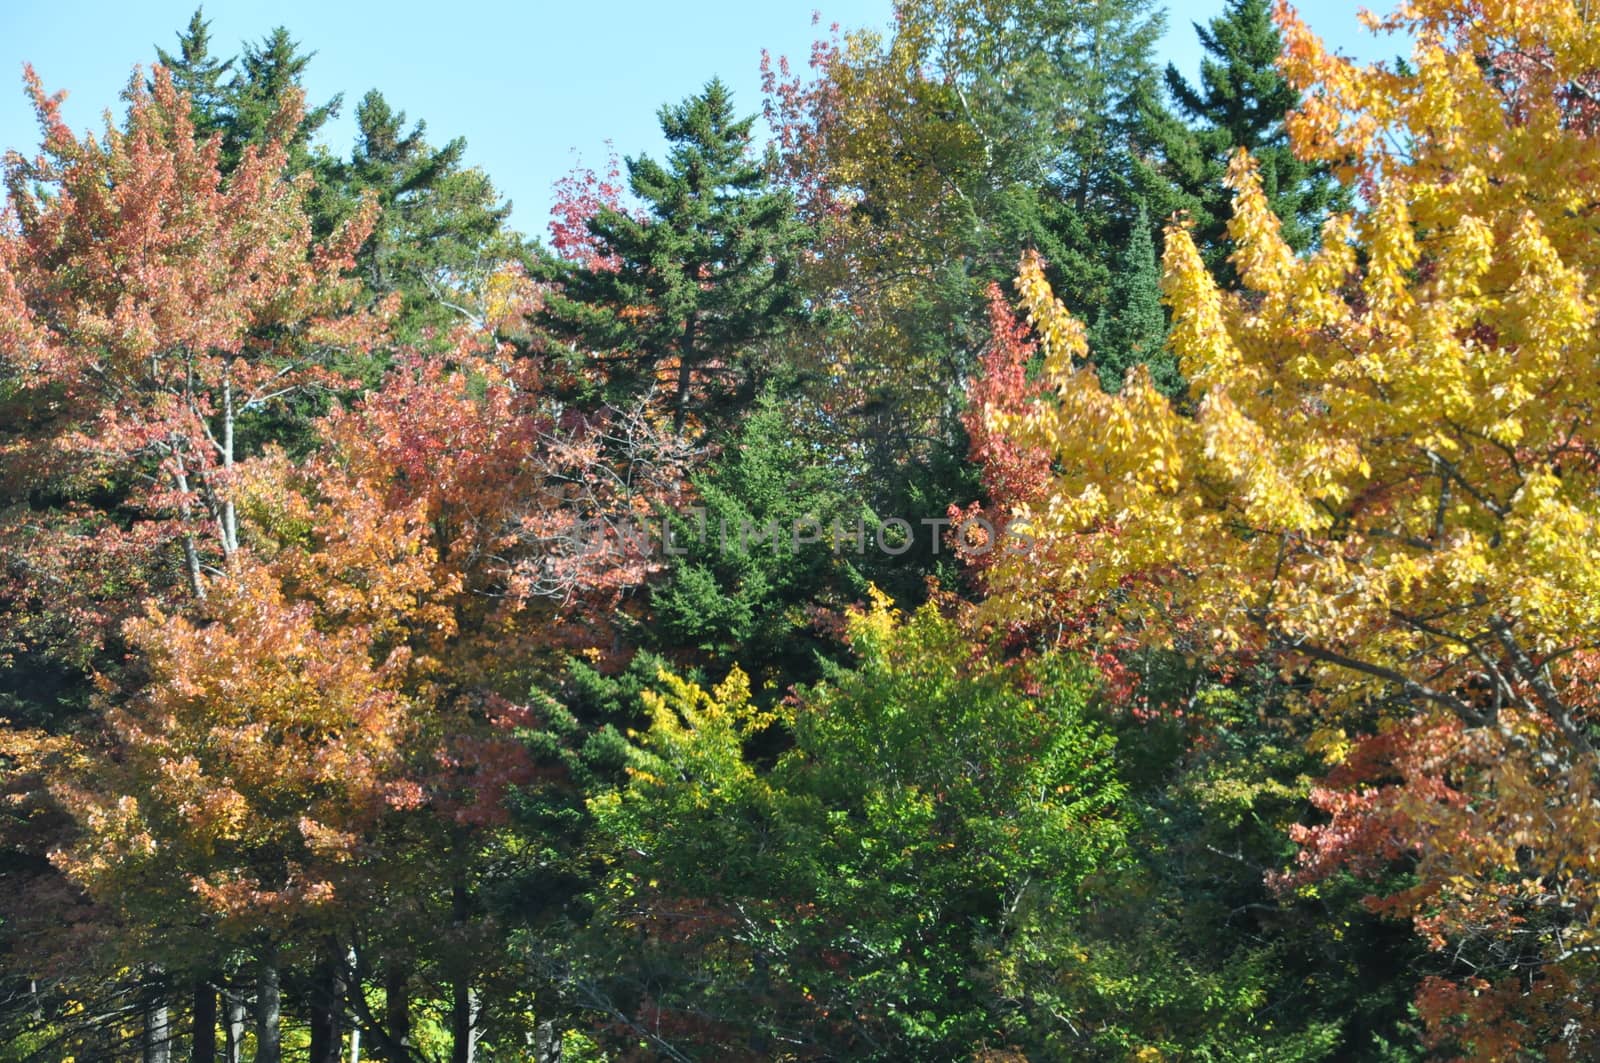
pixel 993 550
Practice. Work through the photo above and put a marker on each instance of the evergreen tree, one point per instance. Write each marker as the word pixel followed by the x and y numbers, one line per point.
pixel 760 557
pixel 1101 63
pixel 266 71
pixel 1240 102
pixel 442 228
pixel 1132 327
pixel 701 278
pixel 199 73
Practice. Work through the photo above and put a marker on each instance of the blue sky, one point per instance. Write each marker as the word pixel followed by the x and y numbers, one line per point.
pixel 527 83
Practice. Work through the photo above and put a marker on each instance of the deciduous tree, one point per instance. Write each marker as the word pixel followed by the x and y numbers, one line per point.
pixel 932 819
pixel 1385 486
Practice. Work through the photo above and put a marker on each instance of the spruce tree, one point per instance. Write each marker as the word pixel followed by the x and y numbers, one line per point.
pixel 703 275
pixel 200 74
pixel 1132 327
pixel 747 572
pixel 1240 102
pixel 442 225
pixel 266 71
pixel 1102 66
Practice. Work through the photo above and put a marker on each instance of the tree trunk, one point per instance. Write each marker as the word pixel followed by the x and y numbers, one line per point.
pixel 397 1010
pixel 191 550
pixel 464 999
pixel 463 1023
pixel 269 1046
pixel 327 991
pixel 157 1029
pixel 680 401
pixel 233 1028
pixel 547 1043
pixel 230 517
pixel 204 1046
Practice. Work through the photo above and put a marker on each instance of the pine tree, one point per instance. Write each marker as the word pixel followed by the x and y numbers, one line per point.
pixel 1240 102
pixel 702 276
pixel 199 74
pixel 1132 327
pixel 749 569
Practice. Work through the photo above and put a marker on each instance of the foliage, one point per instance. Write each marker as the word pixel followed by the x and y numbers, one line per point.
pixel 365 569
pixel 858 887
pixel 1242 101
pixel 770 542
pixel 684 296
pixel 1383 487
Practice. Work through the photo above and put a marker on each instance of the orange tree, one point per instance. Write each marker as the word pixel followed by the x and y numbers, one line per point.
pixel 151 307
pixel 315 754
pixel 316 646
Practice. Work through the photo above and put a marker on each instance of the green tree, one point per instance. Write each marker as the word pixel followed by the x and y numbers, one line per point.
pixel 930 158
pixel 1131 328
pixel 758 553
pixel 848 901
pixel 266 73
pixel 1183 950
pixel 199 74
pixel 695 284
pixel 1240 102
pixel 442 229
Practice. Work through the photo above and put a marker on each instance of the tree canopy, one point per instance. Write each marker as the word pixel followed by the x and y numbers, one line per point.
pixel 1018 557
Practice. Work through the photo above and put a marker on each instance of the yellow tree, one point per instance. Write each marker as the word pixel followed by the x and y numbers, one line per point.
pixel 1384 479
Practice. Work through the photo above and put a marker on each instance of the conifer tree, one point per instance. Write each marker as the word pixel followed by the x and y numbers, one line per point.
pixel 765 549
pixel 1240 102
pixel 266 72
pixel 685 292
pixel 199 74
pixel 1101 61
pixel 1132 328
pixel 442 226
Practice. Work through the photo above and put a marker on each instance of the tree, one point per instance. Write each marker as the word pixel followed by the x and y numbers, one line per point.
pixel 701 280
pixel 929 159
pixel 152 307
pixel 979 126
pixel 758 555
pixel 217 305
pixel 1132 327
pixel 198 74
pixel 1386 488
pixel 935 812
pixel 1241 102
pixel 441 236
pixel 267 74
